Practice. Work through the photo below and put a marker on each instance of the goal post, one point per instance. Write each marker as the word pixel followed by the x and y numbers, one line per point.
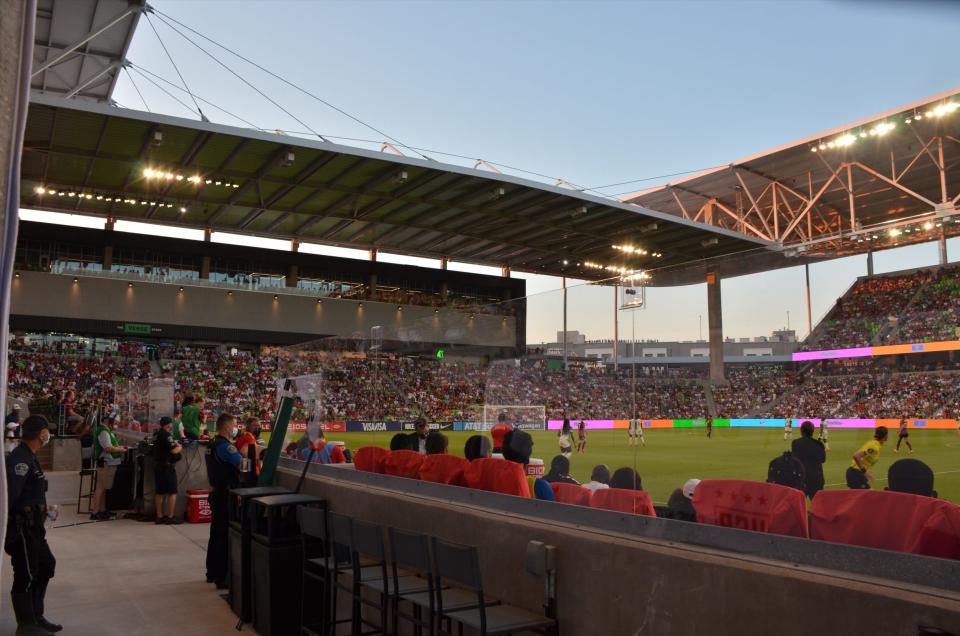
pixel 526 417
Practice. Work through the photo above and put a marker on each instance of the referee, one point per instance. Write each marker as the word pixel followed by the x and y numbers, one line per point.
pixel 26 540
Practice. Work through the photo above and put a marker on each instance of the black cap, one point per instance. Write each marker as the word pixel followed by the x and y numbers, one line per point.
pixel 166 420
pixel 911 476
pixel 32 426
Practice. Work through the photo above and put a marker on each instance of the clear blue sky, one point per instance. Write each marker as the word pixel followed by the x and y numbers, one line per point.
pixel 592 92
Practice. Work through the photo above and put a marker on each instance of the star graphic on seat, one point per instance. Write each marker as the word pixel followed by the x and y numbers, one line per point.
pixel 747 498
pixel 762 501
pixel 733 496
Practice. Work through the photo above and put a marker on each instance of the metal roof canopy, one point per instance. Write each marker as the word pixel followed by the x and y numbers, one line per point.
pixel 80 46
pixel 276 186
pixel 844 191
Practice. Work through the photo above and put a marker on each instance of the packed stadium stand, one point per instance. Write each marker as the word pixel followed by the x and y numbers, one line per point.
pixel 916 306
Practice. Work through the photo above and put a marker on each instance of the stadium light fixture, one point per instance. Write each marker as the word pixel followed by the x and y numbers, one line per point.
pixel 276 297
pixel 319 301
pixel 76 280
pixel 229 293
pixel 16 274
pixel 39 190
pixel 129 285
pixel 180 290
pixel 710 241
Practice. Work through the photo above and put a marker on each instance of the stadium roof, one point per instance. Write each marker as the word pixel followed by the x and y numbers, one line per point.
pixel 123 164
pixel 888 180
pixel 80 46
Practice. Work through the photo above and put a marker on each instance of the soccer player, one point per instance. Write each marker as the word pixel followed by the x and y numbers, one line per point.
pixel 788 430
pixel 858 474
pixel 499 431
pixel 635 431
pixel 823 434
pixel 582 437
pixel 565 439
pixel 709 426
pixel 903 435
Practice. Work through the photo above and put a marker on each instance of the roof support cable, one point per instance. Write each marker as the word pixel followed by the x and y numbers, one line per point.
pixel 395 141
pixel 169 94
pixel 137 88
pixel 175 67
pixel 143 70
pixel 244 80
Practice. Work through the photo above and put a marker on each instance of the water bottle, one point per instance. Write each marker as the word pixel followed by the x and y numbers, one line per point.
pixel 53 512
pixel 245 465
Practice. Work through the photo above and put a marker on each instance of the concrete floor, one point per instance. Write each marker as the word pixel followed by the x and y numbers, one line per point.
pixel 124 577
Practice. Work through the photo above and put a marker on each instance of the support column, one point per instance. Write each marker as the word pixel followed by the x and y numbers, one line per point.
pixel 372 254
pixel 443 262
pixel 505 271
pixel 564 335
pixel 205 260
pixel 616 331
pixel 715 327
pixel 108 245
pixel 943 247
pixel 870 263
pixel 806 270
pixel 293 272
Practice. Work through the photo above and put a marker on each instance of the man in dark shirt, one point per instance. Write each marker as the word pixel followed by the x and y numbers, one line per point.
pixel 26 538
pixel 812 455
pixel 166 454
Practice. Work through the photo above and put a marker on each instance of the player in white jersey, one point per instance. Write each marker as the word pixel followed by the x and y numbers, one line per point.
pixel 788 430
pixel 823 434
pixel 635 430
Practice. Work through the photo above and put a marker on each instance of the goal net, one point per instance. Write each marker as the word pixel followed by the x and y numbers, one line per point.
pixel 518 416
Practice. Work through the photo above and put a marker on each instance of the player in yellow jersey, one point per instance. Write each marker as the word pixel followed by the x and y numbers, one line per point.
pixel 858 474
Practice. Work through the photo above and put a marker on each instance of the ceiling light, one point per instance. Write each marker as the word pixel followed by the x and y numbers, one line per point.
pixel 39 190
pixel 928 225
pixel 710 241
pixel 181 290
pixel 130 285
pixel 275 297
pixel 183 210
pixel 76 280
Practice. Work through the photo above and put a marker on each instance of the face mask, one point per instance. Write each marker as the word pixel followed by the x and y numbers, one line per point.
pixel 233 433
pixel 45 440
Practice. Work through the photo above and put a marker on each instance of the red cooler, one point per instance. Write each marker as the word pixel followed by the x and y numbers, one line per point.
pixel 198 506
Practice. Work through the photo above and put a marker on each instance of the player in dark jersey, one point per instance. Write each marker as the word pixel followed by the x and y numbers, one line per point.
pixel 582 437
pixel 903 435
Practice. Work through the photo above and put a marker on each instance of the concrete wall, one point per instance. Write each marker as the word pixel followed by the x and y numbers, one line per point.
pixel 43 294
pixel 612 582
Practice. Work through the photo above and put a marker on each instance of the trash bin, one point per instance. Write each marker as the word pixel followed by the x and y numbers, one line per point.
pixel 239 550
pixel 198 508
pixel 276 557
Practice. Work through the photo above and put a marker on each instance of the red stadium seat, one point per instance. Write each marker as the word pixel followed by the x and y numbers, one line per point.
pixel 370 459
pixel 443 469
pixel 403 463
pixel 887 520
pixel 571 494
pixel 635 502
pixel 752 505
pixel 497 475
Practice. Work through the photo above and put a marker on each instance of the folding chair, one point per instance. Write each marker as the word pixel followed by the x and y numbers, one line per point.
pixel 460 564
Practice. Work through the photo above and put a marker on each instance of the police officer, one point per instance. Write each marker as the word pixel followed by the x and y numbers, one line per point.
pixel 26 542
pixel 223 471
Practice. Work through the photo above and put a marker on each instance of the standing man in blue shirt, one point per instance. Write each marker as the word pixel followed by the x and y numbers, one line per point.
pixel 223 471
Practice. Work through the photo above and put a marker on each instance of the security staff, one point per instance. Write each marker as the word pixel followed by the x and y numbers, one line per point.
pixel 26 542
pixel 223 472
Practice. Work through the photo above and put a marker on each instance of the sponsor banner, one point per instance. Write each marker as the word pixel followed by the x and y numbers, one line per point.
pixel 373 427
pixel 292 427
pixel 893 425
pixel 334 427
pixel 653 423
pixel 434 426
pixel 758 423
pixel 698 423
pixel 556 425
pixel 621 423
pixel 828 354
pixel 528 426
pixel 466 425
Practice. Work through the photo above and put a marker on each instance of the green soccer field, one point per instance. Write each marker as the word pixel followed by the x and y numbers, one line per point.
pixel 672 456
